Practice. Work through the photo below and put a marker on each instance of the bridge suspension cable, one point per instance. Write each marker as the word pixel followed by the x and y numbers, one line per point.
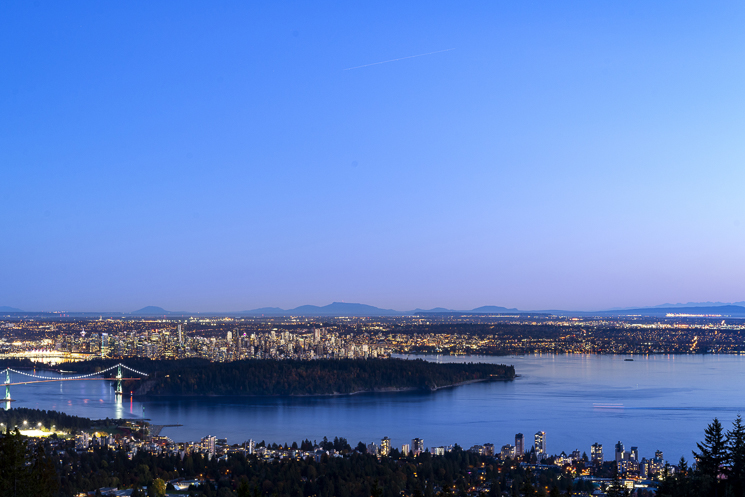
pixel 75 377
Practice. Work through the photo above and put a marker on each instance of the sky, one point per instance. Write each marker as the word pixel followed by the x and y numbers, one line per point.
pixel 225 156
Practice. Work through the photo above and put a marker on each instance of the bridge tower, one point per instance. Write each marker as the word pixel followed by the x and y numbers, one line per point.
pixel 7 386
pixel 119 380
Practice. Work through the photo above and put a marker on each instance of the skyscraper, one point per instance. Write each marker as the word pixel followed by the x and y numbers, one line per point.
pixel 540 444
pixel 634 456
pixel 519 445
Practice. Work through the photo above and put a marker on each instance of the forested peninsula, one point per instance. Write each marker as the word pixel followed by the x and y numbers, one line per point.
pixel 318 377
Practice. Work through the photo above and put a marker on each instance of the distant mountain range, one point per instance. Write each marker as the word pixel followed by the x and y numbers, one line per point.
pixel 346 309
pixel 351 309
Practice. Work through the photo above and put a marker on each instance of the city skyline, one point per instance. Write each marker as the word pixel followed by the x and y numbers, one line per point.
pixel 572 156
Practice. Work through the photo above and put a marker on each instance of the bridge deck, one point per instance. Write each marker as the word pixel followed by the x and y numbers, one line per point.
pixel 68 379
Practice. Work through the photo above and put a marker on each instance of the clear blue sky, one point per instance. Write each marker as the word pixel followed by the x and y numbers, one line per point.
pixel 218 156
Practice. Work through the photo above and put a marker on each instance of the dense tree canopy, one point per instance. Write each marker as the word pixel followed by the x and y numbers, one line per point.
pixel 320 377
pixel 17 416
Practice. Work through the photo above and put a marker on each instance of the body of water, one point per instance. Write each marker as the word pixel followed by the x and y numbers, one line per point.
pixel 652 402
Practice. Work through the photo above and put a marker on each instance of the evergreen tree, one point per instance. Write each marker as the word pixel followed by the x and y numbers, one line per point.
pixel 711 457
pixel 14 477
pixel 736 458
pixel 43 474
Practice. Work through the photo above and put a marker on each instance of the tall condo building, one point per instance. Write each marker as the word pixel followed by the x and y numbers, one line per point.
pixel 596 453
pixel 634 456
pixel 417 446
pixel 540 443
pixel 519 445
pixel 620 452
pixel 385 446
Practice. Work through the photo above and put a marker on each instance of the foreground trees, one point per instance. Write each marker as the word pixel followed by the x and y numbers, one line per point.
pixel 24 472
pixel 719 469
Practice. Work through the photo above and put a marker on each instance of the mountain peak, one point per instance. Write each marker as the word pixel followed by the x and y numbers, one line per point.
pixel 151 310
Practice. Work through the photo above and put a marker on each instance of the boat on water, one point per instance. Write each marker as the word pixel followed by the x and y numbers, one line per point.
pixel 628 359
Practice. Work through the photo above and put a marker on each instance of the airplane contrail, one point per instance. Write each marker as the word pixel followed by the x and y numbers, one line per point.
pixel 400 58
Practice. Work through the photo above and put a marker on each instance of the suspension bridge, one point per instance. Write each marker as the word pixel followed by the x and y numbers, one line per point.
pixel 86 377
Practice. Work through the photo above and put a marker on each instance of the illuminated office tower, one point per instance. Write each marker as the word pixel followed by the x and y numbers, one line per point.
pixel 634 456
pixel 519 445
pixel 180 339
pixel 405 450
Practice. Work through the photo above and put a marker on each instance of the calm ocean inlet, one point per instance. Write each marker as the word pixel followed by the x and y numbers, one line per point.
pixel 653 402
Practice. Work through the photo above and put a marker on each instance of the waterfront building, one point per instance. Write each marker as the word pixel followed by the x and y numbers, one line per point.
pixel 596 454
pixel 519 445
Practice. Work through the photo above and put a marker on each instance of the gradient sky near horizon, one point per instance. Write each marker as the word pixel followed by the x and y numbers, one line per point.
pixel 223 156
